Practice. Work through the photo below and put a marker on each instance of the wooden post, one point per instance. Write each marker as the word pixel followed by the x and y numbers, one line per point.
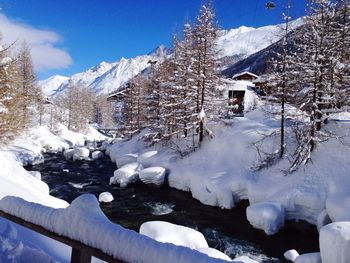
pixel 79 256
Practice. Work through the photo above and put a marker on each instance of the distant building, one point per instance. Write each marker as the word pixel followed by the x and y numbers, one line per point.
pixel 240 95
pixel 246 75
pixel 117 96
pixel 261 86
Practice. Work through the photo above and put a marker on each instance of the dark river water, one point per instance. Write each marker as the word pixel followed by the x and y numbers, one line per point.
pixel 226 230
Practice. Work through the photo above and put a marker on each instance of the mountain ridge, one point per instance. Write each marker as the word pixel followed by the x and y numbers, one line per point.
pixel 234 45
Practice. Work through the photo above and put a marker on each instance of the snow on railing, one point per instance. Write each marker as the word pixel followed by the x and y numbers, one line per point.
pixel 84 227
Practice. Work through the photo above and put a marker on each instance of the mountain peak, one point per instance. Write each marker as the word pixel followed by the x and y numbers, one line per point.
pixel 160 51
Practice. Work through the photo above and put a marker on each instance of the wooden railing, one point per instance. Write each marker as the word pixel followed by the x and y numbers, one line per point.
pixel 81 253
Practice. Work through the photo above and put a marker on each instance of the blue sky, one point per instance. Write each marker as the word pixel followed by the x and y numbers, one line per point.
pixel 86 32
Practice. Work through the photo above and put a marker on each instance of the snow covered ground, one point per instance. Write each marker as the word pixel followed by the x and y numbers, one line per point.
pixel 218 174
pixel 18 244
pixel 221 173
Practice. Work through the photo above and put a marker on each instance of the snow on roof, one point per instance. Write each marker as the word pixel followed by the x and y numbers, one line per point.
pixel 243 73
pixel 118 93
pixel 237 85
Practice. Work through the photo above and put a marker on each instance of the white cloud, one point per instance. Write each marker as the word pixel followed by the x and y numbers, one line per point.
pixel 42 43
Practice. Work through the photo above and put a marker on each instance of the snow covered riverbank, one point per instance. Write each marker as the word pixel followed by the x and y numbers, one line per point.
pixel 16 181
pixel 220 172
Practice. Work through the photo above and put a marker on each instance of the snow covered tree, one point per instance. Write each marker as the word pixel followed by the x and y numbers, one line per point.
pixel 281 86
pixel 75 107
pixel 30 94
pixel 184 81
pixel 104 112
pixel 133 109
pixel 340 29
pixel 205 33
pixel 10 101
pixel 313 68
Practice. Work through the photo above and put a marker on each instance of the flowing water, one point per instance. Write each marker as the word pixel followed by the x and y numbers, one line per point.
pixel 226 230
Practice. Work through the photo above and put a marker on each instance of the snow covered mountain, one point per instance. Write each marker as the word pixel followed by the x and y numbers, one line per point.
pixel 233 46
pixel 239 43
pixel 104 77
pixel 49 86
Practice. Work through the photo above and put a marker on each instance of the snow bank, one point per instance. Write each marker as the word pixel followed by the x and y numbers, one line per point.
pixel 126 159
pixel 93 135
pixel 309 258
pixel 267 216
pixel 84 221
pixel 338 206
pixel 125 175
pixel 171 233
pixel 291 255
pixel 214 253
pixel 218 174
pixel 147 158
pixel 16 181
pixel 36 174
pixel 105 197
pixel 335 243
pixel 71 137
pixel 153 175
pixel 97 155
pixel 47 140
pixel 244 259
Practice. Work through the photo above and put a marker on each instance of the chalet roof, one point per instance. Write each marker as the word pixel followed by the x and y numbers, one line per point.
pixel 115 96
pixel 244 73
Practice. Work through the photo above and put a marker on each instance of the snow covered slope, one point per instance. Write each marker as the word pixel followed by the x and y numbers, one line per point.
pixel 51 85
pixel 239 43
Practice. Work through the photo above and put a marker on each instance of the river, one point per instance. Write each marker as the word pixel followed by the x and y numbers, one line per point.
pixel 225 230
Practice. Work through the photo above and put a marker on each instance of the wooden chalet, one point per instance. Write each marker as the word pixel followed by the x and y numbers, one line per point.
pixel 117 96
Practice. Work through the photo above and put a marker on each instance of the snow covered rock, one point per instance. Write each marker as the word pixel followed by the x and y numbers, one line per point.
pixel 171 233
pixel 268 216
pixel 153 175
pixel 214 253
pixel 126 159
pixel 309 258
pixel 81 153
pixel 244 259
pixel 105 197
pixel 147 158
pixel 291 255
pixel 97 155
pixel 68 154
pixel 125 175
pixel 335 243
